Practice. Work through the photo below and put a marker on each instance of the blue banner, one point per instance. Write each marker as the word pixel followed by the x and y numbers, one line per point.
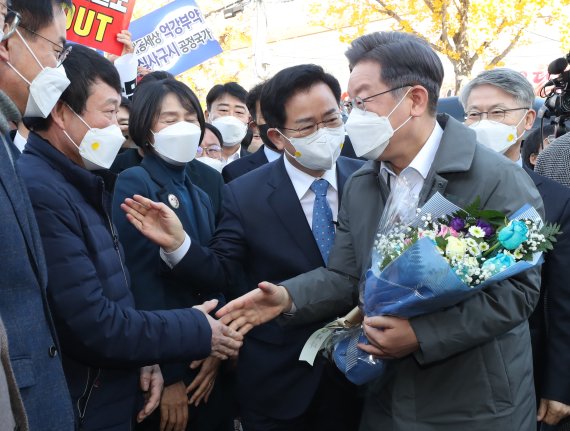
pixel 173 38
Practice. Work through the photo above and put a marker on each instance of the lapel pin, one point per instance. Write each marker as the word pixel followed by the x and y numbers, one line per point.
pixel 173 201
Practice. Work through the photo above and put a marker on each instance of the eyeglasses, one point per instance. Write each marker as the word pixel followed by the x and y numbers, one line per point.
pixel 12 20
pixel 360 103
pixel 496 114
pixel 331 122
pixel 62 52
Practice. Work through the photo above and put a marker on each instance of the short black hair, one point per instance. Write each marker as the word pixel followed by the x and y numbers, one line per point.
pixel 147 102
pixel 531 145
pixel 404 60
pixel 252 97
pixel 219 90
pixel 37 14
pixel 83 67
pixel 287 83
pixel 216 132
pixel 157 75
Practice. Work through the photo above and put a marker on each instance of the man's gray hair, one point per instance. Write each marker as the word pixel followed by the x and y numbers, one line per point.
pixel 508 80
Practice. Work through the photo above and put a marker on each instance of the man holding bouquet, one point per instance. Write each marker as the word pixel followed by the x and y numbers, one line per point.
pixel 466 367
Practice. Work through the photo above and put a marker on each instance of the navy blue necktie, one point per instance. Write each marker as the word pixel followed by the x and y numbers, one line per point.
pixel 323 226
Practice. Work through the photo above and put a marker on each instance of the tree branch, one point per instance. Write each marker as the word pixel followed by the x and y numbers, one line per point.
pixel 400 20
pixel 508 49
pixel 429 4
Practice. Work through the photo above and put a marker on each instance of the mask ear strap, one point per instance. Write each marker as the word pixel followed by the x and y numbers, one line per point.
pixel 398 104
pixel 78 116
pixel 29 49
pixel 18 73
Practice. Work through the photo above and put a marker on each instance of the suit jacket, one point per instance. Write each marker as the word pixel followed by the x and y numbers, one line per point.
pixel 244 165
pixel 549 324
pixel 201 175
pixel 24 310
pixel 267 235
pixel 473 370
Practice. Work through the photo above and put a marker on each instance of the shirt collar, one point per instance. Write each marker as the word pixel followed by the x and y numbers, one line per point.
pixel 302 181
pixel 235 156
pixel 270 154
pixel 424 159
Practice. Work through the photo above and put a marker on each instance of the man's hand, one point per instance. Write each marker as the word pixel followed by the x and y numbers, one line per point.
pixel 155 221
pixel 151 382
pixel 204 382
pixel 126 38
pixel 390 337
pixel 551 412
pixel 174 408
pixel 225 341
pixel 256 307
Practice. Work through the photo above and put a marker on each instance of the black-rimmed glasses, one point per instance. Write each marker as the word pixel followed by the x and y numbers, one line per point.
pixel 496 114
pixel 62 52
pixel 360 102
pixel 331 122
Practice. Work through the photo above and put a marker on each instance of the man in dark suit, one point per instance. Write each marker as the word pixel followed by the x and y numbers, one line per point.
pixel 272 228
pixel 503 92
pixel 467 367
pixel 268 151
pixel 34 351
pixel 227 111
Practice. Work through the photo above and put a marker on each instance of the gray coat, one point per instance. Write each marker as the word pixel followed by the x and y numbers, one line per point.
pixel 473 370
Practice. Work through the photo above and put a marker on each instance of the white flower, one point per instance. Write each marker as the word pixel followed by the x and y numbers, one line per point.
pixel 476 232
pixel 483 246
pixel 455 247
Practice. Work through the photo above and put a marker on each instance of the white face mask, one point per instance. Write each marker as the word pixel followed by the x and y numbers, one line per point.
pixel 218 165
pixel 370 133
pixel 177 143
pixel 498 137
pixel 45 89
pixel 320 151
pixel 99 147
pixel 233 130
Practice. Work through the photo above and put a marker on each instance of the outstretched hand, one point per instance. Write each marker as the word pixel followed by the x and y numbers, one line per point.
pixel 225 341
pixel 155 221
pixel 256 307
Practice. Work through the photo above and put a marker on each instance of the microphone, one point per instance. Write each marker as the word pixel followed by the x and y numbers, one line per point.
pixel 557 66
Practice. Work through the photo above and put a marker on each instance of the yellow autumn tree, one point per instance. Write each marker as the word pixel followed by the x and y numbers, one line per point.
pixel 232 34
pixel 465 31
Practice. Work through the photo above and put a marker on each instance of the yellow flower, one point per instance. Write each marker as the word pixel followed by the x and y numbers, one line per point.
pixel 455 248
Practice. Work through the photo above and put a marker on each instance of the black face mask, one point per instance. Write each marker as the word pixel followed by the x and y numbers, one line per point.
pixel 263 135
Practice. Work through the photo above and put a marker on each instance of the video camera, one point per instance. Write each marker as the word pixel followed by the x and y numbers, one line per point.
pixel 557 94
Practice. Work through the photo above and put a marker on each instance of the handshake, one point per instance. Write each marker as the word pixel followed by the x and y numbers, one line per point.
pixel 239 316
pixel 226 342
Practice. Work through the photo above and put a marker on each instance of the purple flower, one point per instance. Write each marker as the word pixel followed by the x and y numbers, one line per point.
pixel 457 224
pixel 487 228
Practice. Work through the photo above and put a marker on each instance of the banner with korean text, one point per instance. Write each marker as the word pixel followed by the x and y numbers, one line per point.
pixel 173 38
pixel 96 23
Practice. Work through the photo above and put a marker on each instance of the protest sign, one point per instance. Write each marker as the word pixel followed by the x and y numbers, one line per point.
pixel 126 65
pixel 173 38
pixel 96 23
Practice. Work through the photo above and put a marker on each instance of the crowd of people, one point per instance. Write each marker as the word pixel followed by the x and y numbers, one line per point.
pixel 163 265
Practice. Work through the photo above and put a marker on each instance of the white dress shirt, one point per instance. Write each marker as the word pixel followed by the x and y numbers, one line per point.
pixel 302 183
pixel 20 142
pixel 233 157
pixel 416 172
pixel 271 154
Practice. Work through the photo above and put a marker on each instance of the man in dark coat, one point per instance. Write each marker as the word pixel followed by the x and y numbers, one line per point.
pixel 104 338
pixel 468 367
pixel 501 91
pixel 34 350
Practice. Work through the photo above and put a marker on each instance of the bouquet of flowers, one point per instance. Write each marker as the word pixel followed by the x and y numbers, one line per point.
pixel 425 260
